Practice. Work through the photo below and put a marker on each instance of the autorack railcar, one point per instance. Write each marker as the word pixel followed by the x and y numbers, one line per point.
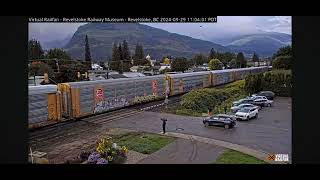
pixel 91 97
pixel 43 104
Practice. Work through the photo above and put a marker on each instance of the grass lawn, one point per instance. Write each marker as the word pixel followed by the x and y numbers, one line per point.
pixel 235 157
pixel 145 143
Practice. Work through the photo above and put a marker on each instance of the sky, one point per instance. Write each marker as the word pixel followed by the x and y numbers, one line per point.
pixel 225 26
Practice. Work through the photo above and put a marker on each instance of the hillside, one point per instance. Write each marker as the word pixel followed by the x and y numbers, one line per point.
pixel 156 42
pixel 264 44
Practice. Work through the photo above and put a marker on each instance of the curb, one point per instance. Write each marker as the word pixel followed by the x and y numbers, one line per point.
pixel 246 150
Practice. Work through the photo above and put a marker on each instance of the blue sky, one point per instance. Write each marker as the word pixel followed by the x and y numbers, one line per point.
pixel 226 26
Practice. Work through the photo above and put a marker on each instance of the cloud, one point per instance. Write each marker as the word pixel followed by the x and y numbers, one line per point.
pixel 226 26
pixel 52 31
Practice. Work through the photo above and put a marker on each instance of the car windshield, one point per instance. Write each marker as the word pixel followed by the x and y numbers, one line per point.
pixel 244 110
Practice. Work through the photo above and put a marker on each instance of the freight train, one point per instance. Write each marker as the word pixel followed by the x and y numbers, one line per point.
pixel 53 103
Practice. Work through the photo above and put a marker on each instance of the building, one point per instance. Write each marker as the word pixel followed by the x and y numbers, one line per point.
pixel 96 67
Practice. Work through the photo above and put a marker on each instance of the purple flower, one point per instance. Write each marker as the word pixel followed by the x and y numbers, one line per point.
pixel 102 161
pixel 93 158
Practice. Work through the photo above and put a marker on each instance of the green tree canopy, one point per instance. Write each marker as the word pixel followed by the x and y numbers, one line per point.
pixel 233 63
pixel 35 50
pixel 212 54
pixel 199 59
pixel 57 53
pixel 255 57
pixel 284 51
pixel 241 62
pixel 179 64
pixel 39 68
pixel 282 62
pixel 215 64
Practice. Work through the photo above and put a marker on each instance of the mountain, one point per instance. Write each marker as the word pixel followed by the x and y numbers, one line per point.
pixel 56 43
pixel 156 42
pixel 264 44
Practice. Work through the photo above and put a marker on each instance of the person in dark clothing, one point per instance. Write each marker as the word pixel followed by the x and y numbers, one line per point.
pixel 164 121
pixel 225 109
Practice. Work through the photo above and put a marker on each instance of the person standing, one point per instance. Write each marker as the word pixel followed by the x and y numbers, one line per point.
pixel 164 122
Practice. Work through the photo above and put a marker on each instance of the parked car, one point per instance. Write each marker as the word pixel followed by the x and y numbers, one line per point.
pixel 246 113
pixel 242 101
pixel 223 120
pixel 263 102
pixel 234 109
pixel 268 94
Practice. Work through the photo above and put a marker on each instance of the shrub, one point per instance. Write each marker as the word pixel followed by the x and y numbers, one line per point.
pixel 108 152
pixel 280 82
pixel 200 101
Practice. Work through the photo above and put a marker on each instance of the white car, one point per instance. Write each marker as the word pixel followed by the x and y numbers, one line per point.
pixel 234 109
pixel 246 113
pixel 263 102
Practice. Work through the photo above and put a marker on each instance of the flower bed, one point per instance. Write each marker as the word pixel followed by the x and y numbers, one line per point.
pixel 106 152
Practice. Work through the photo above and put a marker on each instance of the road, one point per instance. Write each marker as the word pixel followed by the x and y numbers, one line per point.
pixel 270 132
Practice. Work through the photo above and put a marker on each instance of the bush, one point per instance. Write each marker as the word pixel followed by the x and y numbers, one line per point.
pixel 215 64
pixel 282 62
pixel 280 82
pixel 200 101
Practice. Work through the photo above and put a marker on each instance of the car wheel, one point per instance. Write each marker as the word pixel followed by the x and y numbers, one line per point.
pixel 206 124
pixel 226 126
pixel 269 105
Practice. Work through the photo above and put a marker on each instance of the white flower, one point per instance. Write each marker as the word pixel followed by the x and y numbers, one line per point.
pixel 114 145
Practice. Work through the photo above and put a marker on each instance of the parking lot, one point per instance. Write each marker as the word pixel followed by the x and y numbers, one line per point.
pixel 270 132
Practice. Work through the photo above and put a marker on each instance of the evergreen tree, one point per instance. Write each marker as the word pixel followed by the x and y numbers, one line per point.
pixel 212 54
pixel 115 61
pixel 125 51
pixel 139 55
pixel 255 57
pixel 179 64
pixel 35 50
pixel 57 53
pixel 87 53
pixel 241 62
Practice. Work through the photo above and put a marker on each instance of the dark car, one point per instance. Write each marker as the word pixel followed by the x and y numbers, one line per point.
pixel 268 94
pixel 223 120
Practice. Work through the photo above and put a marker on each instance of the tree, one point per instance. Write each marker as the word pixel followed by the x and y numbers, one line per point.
pixel 212 54
pixel 87 55
pixel 199 59
pixel 115 60
pixel 282 62
pixel 57 53
pixel 241 62
pixel 284 51
pixel 179 64
pixel 166 61
pixel 233 63
pixel 35 50
pixel 37 68
pixel 215 64
pixel 255 57
pixel 125 50
pixel 139 58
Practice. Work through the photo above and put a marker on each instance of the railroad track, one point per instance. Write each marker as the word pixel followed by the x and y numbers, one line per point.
pixel 71 128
